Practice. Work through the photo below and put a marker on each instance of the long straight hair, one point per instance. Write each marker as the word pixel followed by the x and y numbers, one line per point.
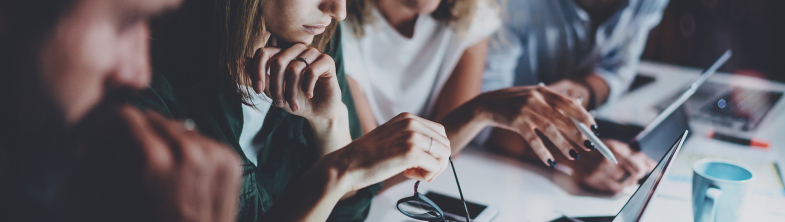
pixel 212 40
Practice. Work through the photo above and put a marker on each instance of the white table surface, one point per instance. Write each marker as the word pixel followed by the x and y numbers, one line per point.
pixel 527 191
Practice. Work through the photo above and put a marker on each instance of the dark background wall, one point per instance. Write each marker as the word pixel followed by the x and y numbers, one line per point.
pixel 696 32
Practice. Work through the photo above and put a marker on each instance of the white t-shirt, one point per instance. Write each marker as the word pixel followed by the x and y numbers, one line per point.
pixel 253 119
pixel 399 74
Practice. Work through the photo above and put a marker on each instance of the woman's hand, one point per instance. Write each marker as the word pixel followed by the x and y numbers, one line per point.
pixel 572 89
pixel 596 172
pixel 305 87
pixel 535 112
pixel 406 143
pixel 403 144
pixel 304 78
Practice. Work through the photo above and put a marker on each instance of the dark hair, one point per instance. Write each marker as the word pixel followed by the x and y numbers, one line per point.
pixel 24 26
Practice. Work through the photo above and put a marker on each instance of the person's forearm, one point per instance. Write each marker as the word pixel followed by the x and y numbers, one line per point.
pixel 331 134
pixel 311 198
pixel 463 124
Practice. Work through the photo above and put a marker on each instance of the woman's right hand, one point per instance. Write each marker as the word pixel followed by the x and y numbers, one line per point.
pixel 406 143
pixel 535 111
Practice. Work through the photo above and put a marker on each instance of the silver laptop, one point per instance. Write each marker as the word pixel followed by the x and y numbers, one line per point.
pixel 672 121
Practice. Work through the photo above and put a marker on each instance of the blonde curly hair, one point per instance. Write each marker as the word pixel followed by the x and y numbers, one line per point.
pixel 455 13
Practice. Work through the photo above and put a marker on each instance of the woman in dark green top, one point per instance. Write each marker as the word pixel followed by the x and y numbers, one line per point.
pixel 210 60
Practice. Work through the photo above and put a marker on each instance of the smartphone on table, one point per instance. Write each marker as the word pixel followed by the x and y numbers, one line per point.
pixel 453 208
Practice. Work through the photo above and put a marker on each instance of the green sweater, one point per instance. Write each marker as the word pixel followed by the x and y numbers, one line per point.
pixel 288 147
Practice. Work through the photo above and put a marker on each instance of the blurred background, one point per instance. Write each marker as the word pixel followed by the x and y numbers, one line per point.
pixel 694 32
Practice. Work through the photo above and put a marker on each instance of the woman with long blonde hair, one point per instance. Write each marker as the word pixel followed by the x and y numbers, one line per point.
pixel 265 77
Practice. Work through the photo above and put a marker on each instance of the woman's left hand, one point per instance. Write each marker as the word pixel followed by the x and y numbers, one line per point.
pixel 302 81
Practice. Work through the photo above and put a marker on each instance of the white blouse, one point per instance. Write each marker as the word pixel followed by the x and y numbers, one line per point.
pixel 253 119
pixel 399 74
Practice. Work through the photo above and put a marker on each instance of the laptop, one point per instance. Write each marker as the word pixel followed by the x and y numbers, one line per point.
pixel 674 119
pixel 634 208
pixel 734 109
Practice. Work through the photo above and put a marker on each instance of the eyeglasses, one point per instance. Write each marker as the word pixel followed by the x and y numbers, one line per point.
pixel 421 208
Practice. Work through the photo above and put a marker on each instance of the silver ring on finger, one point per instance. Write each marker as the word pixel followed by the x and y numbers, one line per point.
pixel 431 146
pixel 304 60
pixel 624 177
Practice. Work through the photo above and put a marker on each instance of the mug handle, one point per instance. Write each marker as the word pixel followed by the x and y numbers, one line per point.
pixel 710 203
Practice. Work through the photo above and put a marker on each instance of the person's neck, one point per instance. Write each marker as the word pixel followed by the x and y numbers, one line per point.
pixel 398 16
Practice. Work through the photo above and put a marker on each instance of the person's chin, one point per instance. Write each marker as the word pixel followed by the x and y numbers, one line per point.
pixel 291 40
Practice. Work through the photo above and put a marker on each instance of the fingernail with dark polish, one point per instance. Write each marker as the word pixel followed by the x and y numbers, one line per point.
pixel 594 130
pixel 588 144
pixel 574 154
pixel 551 163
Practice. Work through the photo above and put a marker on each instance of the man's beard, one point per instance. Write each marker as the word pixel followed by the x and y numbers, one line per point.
pixel 46 159
pixel 100 168
pixel 111 164
pixel 104 116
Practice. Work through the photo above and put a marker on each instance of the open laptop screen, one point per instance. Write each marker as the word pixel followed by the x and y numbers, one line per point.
pixel 634 208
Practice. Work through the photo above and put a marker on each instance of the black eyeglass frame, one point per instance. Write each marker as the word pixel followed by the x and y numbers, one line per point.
pixel 420 197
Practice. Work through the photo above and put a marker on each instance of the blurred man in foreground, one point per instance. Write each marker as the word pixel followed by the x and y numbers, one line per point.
pixel 69 151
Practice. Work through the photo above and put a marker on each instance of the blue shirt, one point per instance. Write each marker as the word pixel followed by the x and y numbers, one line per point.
pixel 549 40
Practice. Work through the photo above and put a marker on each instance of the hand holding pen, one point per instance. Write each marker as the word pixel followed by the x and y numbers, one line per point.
pixel 537 113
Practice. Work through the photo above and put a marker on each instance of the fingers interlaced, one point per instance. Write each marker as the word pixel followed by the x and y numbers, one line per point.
pixel 259 67
pixel 320 66
pixel 278 65
pixel 295 79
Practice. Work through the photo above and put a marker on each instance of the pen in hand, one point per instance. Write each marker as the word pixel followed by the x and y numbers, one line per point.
pixel 604 150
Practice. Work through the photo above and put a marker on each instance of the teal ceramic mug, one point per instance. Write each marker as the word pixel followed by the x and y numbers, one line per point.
pixel 718 190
